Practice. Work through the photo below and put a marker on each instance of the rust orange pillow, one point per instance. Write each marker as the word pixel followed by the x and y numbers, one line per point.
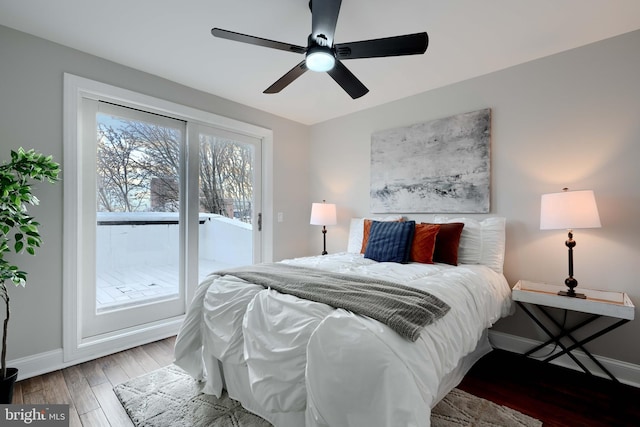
pixel 365 234
pixel 424 243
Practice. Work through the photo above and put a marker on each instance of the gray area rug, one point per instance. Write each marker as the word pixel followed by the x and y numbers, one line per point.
pixel 170 397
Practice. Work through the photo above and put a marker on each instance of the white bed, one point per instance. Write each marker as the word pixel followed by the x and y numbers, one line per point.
pixel 300 363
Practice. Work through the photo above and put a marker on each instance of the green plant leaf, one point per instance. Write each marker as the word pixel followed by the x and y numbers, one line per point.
pixel 15 195
pixel 33 241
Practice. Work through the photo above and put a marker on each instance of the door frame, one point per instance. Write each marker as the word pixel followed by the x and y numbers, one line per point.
pixel 75 348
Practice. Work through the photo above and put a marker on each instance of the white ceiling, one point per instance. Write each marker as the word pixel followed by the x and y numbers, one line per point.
pixel 172 39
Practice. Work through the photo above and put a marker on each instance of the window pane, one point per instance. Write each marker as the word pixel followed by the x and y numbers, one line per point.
pixel 138 203
pixel 226 203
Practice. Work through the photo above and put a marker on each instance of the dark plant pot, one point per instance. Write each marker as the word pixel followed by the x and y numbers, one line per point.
pixel 6 386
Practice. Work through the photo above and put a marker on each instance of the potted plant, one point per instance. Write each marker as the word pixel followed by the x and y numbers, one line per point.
pixel 18 233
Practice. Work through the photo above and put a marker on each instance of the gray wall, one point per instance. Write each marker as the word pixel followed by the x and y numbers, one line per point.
pixel 31 77
pixel 568 120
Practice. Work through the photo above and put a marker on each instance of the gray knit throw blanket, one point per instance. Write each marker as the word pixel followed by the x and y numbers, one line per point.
pixel 404 309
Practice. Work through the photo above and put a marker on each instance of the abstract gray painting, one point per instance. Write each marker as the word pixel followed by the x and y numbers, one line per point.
pixel 440 166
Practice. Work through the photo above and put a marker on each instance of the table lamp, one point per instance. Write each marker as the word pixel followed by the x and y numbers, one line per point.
pixel 569 210
pixel 323 214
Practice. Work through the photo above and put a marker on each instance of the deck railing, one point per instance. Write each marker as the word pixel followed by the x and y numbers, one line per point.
pixel 144 238
pixel 138 253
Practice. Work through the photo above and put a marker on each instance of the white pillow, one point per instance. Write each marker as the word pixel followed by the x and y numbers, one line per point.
pixel 481 242
pixel 356 231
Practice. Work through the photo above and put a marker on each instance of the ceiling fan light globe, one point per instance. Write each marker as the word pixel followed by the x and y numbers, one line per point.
pixel 320 60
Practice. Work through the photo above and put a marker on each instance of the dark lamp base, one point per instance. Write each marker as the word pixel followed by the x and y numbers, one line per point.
pixel 572 294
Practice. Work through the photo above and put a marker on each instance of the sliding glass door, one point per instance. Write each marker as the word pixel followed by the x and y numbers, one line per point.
pixel 157 196
pixel 142 259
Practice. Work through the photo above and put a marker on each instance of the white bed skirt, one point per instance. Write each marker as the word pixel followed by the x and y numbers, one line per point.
pixel 236 381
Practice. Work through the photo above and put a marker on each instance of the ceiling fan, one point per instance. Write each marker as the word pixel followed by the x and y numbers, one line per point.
pixel 323 55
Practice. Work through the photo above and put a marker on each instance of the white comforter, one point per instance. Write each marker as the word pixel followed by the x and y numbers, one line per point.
pixel 330 367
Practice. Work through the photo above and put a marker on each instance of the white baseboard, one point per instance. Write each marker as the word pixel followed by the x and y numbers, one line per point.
pixel 626 373
pixel 53 360
pixel 38 364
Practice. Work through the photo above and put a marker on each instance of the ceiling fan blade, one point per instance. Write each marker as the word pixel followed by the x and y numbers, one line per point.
pixel 409 44
pixel 288 78
pixel 244 38
pixel 347 80
pixel 324 16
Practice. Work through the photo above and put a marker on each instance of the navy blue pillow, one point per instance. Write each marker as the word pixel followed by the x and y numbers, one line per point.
pixel 390 241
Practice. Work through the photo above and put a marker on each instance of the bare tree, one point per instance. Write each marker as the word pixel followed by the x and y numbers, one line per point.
pixel 161 160
pixel 139 168
pixel 121 185
pixel 211 197
pixel 238 177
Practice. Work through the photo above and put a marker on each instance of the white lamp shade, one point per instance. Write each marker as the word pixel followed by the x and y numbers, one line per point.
pixel 323 214
pixel 569 210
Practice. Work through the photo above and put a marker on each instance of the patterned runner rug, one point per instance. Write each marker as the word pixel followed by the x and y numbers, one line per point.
pixel 170 397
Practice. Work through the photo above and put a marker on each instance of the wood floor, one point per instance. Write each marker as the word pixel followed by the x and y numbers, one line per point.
pixel 557 396
pixel 88 387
